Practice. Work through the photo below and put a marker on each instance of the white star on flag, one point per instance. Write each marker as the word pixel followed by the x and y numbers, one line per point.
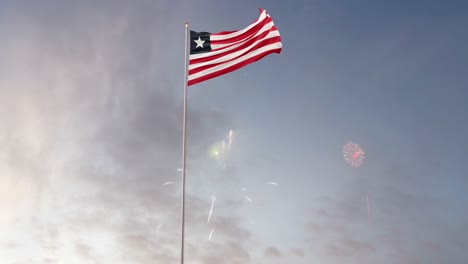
pixel 199 42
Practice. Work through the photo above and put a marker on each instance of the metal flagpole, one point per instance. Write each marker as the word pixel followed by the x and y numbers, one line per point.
pixel 183 146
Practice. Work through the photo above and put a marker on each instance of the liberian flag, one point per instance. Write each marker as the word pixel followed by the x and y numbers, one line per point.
pixel 215 54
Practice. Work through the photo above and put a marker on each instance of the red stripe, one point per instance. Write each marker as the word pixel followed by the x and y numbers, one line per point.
pixel 233 67
pixel 232 31
pixel 262 43
pixel 225 32
pixel 244 35
pixel 236 43
pixel 243 46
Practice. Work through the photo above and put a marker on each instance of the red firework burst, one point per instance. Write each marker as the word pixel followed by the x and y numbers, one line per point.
pixel 353 154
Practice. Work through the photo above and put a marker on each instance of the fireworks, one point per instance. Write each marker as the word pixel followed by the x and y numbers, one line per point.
pixel 229 138
pixel 353 154
pixel 167 183
pixel 224 147
pixel 213 198
pixel 186 172
pixel 211 233
pixel 219 149
pixel 368 208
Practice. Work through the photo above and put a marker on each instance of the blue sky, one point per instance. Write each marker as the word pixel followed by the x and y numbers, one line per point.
pixel 91 130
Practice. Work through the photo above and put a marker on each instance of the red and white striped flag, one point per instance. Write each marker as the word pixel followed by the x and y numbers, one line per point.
pixel 215 54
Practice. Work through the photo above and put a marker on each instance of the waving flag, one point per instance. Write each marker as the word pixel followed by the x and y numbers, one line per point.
pixel 215 54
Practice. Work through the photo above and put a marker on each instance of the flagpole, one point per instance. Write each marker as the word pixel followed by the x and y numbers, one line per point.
pixel 183 146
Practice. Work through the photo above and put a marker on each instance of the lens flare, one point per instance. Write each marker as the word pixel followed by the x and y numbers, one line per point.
pixel 216 150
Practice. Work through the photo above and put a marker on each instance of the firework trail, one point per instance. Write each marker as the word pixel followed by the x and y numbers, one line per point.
pixel 213 198
pixel 186 171
pixel 229 138
pixel 272 183
pixel 167 183
pixel 353 154
pixel 224 159
pixel 159 226
pixel 368 208
pixel 211 233
pixel 248 199
pixel 224 147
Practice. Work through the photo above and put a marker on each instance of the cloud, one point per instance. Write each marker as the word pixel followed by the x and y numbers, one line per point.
pixel 405 223
pixel 272 252
pixel 93 129
pixel 298 252
pixel 84 250
pixel 349 248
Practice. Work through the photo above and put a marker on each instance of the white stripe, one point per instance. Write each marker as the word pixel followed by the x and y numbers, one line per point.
pixel 233 55
pixel 217 51
pixel 236 61
pixel 266 27
pixel 263 15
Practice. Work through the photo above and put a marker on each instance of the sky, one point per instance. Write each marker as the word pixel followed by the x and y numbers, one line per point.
pixel 91 96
